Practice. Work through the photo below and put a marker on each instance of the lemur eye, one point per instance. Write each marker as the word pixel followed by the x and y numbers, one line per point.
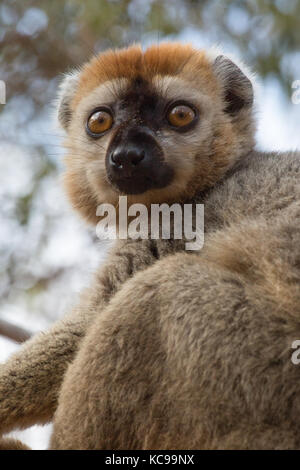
pixel 100 121
pixel 181 115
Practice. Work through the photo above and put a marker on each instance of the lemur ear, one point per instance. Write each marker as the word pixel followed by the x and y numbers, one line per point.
pixel 238 90
pixel 66 92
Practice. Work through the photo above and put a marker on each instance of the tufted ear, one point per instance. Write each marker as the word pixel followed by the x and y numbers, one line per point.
pixel 237 88
pixel 66 92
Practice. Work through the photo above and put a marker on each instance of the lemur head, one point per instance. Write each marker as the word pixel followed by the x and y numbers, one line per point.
pixel 157 126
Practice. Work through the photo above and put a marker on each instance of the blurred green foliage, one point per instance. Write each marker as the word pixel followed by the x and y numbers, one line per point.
pixel 40 39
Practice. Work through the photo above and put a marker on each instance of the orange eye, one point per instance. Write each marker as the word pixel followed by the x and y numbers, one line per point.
pixel 99 122
pixel 181 115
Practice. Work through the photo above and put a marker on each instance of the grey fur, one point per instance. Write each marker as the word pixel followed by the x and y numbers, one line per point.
pixel 238 90
pixel 66 92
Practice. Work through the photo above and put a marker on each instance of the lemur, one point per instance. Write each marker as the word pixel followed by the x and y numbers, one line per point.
pixel 170 349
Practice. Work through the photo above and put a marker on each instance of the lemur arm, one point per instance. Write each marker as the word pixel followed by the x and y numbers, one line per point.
pixel 30 380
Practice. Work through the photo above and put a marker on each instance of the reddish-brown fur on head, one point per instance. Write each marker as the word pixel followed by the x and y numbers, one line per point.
pixel 165 59
pixel 198 158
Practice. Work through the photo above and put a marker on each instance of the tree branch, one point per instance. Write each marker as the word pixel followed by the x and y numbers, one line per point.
pixel 13 332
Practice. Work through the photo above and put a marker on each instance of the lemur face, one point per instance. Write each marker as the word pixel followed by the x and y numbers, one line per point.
pixel 157 126
pixel 137 158
pixel 144 126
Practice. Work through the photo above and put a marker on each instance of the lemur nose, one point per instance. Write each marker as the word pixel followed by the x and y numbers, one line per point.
pixel 124 159
pixel 135 162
